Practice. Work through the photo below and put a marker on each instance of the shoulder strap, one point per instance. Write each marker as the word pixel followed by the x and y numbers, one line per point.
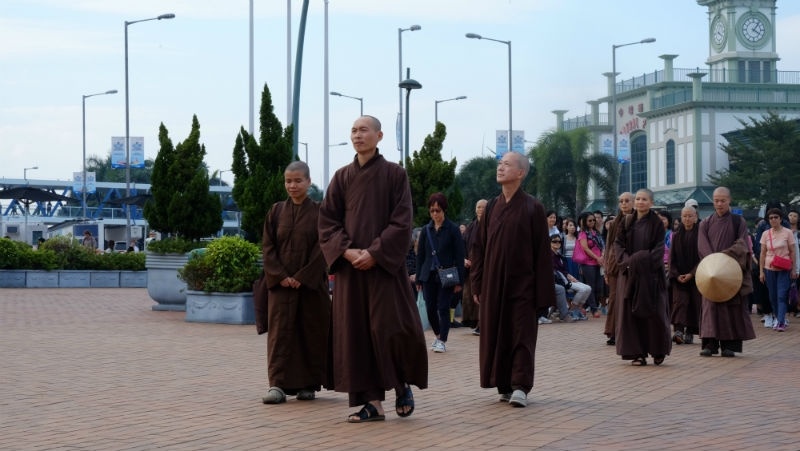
pixel 435 260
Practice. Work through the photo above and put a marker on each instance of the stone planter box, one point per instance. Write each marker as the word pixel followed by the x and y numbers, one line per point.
pixel 220 308
pixel 41 279
pixel 163 284
pixel 104 279
pixel 133 279
pixel 20 278
pixel 74 279
pixel 12 278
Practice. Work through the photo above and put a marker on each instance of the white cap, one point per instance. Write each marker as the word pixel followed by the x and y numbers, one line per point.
pixel 690 203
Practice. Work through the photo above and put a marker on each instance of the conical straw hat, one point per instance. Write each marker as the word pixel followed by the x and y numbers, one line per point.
pixel 718 277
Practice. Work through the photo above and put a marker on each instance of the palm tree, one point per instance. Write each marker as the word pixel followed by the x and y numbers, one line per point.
pixel 565 167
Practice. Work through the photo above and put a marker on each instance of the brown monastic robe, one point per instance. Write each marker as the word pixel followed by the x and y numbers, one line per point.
pixel 727 321
pixel 612 271
pixel 686 299
pixel 638 336
pixel 378 343
pixel 512 271
pixel 470 309
pixel 299 319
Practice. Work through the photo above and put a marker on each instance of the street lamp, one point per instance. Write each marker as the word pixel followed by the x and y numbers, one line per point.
pixel 343 143
pixel 614 48
pixel 436 107
pixel 400 80
pixel 128 123
pixel 83 108
pixel 408 85
pixel 306 146
pixel 25 172
pixel 219 175
pixel 360 99
pixel 508 43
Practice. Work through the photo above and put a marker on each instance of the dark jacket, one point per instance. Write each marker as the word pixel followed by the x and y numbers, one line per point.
pixel 449 247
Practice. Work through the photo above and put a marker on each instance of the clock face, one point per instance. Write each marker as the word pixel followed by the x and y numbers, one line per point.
pixel 753 29
pixel 719 33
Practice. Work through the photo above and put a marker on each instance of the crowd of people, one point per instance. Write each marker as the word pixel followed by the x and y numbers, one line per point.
pixel 514 267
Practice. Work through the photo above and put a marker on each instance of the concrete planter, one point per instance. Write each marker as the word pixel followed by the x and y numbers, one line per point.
pixel 163 284
pixel 12 278
pixel 104 279
pixel 220 308
pixel 74 279
pixel 41 279
pixel 133 279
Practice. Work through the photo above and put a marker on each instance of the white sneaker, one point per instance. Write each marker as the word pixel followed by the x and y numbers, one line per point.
pixel 544 320
pixel 439 346
pixel 434 344
pixel 769 321
pixel 518 399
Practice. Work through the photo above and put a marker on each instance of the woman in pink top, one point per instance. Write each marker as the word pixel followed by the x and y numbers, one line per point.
pixel 778 241
pixel 589 254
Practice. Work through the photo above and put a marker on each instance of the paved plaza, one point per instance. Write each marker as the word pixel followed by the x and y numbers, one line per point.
pixel 97 369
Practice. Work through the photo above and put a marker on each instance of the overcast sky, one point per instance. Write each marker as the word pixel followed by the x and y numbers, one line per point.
pixel 55 51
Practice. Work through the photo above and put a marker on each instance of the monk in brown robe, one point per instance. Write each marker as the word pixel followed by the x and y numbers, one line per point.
pixel 642 323
pixel 364 231
pixel 683 261
pixel 512 278
pixel 470 314
pixel 299 310
pixel 612 271
pixel 726 324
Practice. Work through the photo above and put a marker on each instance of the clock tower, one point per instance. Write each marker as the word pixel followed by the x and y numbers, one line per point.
pixel 741 37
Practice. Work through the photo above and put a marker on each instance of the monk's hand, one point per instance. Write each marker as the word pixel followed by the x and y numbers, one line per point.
pixel 364 261
pixel 476 298
pixel 351 255
pixel 286 282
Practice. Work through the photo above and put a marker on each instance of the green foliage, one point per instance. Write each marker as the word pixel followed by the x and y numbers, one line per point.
pixel 258 168
pixel 173 245
pixel 565 166
pixel 182 203
pixel 428 174
pixel 229 265
pixel 763 163
pixel 65 253
pixel 477 180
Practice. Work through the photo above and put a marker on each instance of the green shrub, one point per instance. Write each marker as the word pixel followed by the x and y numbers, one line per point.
pixel 129 261
pixel 14 254
pixel 175 245
pixel 65 252
pixel 229 265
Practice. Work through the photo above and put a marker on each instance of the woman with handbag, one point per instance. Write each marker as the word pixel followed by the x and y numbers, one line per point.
pixel 588 254
pixel 440 267
pixel 777 265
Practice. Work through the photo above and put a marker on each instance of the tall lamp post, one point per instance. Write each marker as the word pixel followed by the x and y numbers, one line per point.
pixel 306 146
pixel 436 107
pixel 400 80
pixel 614 103
pixel 25 172
pixel 508 43
pixel 83 108
pixel 219 175
pixel 360 99
pixel 408 84
pixel 128 125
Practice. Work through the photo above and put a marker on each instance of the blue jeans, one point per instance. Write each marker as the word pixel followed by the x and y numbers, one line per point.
pixel 778 283
pixel 437 305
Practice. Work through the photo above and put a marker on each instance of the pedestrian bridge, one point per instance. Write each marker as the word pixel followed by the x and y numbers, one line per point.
pixel 34 218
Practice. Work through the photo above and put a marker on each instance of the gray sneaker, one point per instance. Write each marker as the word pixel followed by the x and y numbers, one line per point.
pixel 518 399
pixel 439 346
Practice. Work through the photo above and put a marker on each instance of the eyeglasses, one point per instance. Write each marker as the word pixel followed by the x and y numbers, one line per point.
pixel 435 210
pixel 774 217
pixel 555 241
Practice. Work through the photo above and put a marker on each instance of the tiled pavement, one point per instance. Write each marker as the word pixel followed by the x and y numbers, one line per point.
pixel 97 369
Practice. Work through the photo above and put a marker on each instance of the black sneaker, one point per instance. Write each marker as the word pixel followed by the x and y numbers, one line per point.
pixel 455 324
pixel 728 353
pixel 706 352
pixel 476 331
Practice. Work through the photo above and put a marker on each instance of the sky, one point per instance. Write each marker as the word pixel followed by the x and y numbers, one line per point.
pixel 56 51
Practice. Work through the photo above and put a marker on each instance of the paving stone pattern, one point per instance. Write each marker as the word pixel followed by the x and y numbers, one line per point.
pixel 97 369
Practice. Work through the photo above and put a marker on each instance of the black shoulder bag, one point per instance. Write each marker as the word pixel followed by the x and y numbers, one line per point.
pixel 448 277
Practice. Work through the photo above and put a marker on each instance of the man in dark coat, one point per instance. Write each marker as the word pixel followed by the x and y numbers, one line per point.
pixel 364 231
pixel 299 309
pixel 470 314
pixel 512 278
pixel 683 261
pixel 726 324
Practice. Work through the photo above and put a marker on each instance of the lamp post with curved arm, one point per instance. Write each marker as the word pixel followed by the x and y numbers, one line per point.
pixel 508 43
pixel 83 176
pixel 436 107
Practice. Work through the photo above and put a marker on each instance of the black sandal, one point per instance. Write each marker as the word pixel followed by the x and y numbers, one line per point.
pixel 366 414
pixel 407 400
pixel 658 360
pixel 639 361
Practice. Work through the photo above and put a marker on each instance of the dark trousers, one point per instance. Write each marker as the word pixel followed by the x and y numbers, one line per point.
pixel 437 305
pixel 592 277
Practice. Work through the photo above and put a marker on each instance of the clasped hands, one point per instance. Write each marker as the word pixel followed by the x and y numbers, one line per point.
pixel 359 258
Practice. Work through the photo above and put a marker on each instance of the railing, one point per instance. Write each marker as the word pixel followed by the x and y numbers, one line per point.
pixel 764 95
pixel 714 76
pixel 584 121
